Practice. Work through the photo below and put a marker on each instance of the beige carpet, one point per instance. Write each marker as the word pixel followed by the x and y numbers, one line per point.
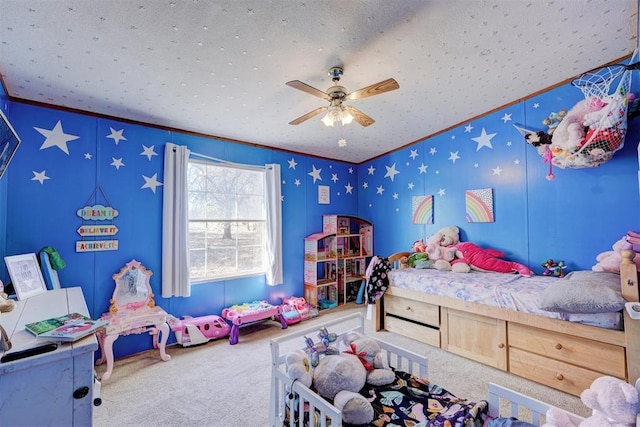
pixel 216 384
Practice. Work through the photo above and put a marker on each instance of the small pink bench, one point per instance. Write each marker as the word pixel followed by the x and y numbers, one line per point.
pixel 242 314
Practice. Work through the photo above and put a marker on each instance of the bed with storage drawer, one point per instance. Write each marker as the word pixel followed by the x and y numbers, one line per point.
pixel 561 350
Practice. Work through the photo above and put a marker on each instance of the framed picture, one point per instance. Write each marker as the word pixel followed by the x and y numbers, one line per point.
pixel 9 142
pixel 25 275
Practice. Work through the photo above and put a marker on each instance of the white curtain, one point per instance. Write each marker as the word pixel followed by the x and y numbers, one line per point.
pixel 175 223
pixel 274 224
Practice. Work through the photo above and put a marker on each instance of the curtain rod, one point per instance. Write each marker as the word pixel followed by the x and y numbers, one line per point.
pixel 215 159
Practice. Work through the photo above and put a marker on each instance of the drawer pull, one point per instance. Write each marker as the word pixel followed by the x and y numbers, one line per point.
pixel 558 346
pixel 501 345
pixel 559 377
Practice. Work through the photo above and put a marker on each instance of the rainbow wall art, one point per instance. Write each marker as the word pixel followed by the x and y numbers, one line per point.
pixel 422 209
pixel 479 205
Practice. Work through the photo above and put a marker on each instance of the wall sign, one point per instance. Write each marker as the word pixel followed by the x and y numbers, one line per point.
pixel 97 214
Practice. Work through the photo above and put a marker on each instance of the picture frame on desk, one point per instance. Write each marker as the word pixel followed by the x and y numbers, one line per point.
pixel 26 275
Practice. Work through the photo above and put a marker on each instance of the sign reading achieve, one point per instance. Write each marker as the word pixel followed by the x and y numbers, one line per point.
pixel 95 229
pixel 96 245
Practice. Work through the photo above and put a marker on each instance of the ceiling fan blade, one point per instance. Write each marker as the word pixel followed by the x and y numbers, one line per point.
pixel 359 116
pixel 308 116
pixel 297 84
pixel 374 89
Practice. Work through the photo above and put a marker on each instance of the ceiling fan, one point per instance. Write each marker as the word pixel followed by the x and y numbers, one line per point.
pixel 336 95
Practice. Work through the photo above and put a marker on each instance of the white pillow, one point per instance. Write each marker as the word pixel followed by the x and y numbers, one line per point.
pixel 584 292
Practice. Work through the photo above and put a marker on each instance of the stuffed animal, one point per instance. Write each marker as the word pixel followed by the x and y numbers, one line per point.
pixel 554 120
pixel 440 246
pixel 418 246
pixel 610 260
pixel 299 367
pixel 570 132
pixel 371 356
pixel 552 268
pixel 614 403
pixel 488 260
pixel 539 138
pixel 6 304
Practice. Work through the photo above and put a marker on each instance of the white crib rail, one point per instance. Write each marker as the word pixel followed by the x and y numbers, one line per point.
pixel 282 386
pixel 519 404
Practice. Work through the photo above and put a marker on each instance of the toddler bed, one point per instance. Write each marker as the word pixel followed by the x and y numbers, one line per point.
pixel 493 318
pixel 289 400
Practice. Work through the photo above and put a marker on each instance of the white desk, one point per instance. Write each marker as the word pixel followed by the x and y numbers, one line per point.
pixel 38 390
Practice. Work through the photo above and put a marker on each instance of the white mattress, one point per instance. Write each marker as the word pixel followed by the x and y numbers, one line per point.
pixel 510 291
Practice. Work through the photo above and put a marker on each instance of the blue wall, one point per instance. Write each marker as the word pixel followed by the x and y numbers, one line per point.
pixel 573 217
pixel 4 105
pixel 77 168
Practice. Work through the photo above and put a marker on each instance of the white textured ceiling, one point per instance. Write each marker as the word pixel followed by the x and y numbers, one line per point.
pixel 219 67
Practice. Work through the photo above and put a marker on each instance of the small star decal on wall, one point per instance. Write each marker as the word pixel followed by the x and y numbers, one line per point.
pixel 371 170
pixel 433 151
pixel 350 171
pixel 468 128
pixel 506 117
pixel 88 156
pixel 442 192
pixel 454 156
pixel 379 190
pixel 117 163
pixel 40 176
pixel 395 196
pixel 296 182
pixel 315 173
pixel 423 168
pixel 56 137
pixel 116 135
pixel 365 185
pixel 414 154
pixel 348 188
pixel 497 170
pixel 148 151
pixel 410 186
pixel 292 163
pixel 391 172
pixel 334 177
pixel 151 183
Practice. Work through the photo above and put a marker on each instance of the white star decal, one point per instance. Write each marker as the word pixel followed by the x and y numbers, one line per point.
pixel 350 171
pixel 536 105
pixel 423 168
pixel 484 140
pixel 453 137
pixel 414 154
pixel 379 190
pixel 410 186
pixel 116 135
pixel 391 172
pixel 88 156
pixel 151 183
pixel 509 144
pixel 56 137
pixel 334 177
pixel 433 151
pixel 371 170
pixel 516 162
pixel 117 163
pixel 40 176
pixel 475 165
pixel 348 188
pixel 292 163
pixel 148 151
pixel 315 173
pixel 395 196
pixel 453 157
pixel 296 182
pixel 365 185
pixel 442 192
pixel 497 170
pixel 467 128
pixel 506 117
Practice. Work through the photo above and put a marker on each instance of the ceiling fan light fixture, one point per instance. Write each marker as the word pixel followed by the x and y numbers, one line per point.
pixel 337 113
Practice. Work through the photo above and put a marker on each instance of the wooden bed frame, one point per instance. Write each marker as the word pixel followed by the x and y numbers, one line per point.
pixel 564 355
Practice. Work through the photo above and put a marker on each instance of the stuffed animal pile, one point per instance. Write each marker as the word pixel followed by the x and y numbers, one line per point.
pixel 610 260
pixel 339 377
pixel 6 304
pixel 614 403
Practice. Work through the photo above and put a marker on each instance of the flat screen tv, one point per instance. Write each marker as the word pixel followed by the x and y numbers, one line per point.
pixel 9 142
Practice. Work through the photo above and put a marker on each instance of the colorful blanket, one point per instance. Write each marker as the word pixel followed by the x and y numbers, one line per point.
pixel 414 402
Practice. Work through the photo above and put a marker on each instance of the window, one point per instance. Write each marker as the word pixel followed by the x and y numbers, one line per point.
pixel 227 221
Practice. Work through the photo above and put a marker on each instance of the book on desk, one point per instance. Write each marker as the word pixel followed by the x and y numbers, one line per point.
pixel 68 328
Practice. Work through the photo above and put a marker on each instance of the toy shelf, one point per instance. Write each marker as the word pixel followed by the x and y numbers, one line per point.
pixel 335 260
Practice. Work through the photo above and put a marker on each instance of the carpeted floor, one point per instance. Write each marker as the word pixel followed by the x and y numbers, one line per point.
pixel 216 384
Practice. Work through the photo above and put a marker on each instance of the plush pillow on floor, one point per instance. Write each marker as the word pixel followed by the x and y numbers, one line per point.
pixel 584 292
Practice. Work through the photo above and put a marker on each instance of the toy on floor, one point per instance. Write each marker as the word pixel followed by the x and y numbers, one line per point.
pixel 290 314
pixel 315 350
pixel 198 330
pixel 614 403
pixel 241 314
pixel 552 268
pixel 301 306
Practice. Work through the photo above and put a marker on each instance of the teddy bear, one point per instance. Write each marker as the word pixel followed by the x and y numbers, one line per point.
pixel 441 246
pixel 340 377
pixel 553 120
pixel 610 260
pixel 6 304
pixel 614 403
pixel 570 131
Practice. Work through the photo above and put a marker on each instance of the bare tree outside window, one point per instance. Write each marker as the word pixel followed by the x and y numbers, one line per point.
pixel 227 229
